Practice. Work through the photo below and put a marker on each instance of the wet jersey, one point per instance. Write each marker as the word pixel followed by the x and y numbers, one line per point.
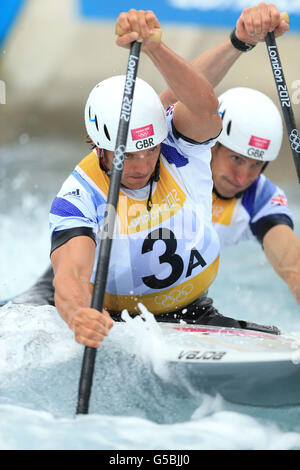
pixel 249 217
pixel 164 258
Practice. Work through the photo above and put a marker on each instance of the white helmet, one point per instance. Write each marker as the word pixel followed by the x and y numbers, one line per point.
pixel 252 124
pixel 148 125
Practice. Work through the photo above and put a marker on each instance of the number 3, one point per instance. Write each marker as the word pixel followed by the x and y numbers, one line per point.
pixel 169 256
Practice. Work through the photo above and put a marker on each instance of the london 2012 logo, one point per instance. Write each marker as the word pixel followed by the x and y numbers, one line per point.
pixel 295 140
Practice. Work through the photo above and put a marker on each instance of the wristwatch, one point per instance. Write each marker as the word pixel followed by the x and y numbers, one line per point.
pixel 240 45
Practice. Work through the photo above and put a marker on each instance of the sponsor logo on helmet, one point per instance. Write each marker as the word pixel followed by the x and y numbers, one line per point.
pixel 142 132
pixel 259 142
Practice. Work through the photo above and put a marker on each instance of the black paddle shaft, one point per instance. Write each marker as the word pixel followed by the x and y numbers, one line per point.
pixel 286 105
pixel 88 363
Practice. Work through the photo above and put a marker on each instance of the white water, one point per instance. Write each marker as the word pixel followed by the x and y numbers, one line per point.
pixel 135 403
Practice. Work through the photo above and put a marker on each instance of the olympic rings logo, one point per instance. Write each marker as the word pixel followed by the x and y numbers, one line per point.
pixel 118 160
pixel 177 297
pixel 295 140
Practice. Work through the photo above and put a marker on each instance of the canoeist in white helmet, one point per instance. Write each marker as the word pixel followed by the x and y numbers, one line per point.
pixel 251 28
pixel 246 204
pixel 165 251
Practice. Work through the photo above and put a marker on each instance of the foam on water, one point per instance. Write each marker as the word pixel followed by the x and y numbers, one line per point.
pixel 136 403
pixel 148 338
pixel 33 336
pixel 19 269
pixel 31 429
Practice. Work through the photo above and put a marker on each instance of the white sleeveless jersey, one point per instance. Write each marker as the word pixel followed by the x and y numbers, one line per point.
pixel 165 258
pixel 249 217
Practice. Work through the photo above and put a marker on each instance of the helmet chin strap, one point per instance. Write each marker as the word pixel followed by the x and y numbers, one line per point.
pixel 102 163
pixel 154 176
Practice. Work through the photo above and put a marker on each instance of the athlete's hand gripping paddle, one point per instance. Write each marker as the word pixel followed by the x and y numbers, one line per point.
pixel 87 371
pixel 282 90
pixel 155 37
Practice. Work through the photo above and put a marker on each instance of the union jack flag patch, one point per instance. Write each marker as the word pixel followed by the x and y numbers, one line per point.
pixel 170 109
pixel 279 201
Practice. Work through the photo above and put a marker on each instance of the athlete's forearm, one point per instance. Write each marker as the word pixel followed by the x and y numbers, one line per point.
pixel 72 265
pixel 212 64
pixel 216 62
pixel 282 249
pixel 185 81
pixel 196 115
pixel 251 27
pixel 293 281
pixel 70 294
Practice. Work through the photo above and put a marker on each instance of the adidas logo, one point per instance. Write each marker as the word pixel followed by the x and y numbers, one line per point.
pixel 72 193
